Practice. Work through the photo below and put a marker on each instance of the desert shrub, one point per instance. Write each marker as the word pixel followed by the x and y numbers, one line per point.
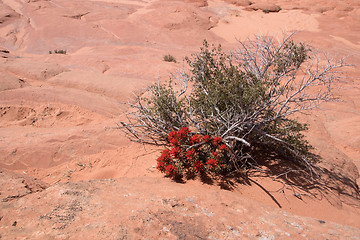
pixel 169 58
pixel 247 98
pixel 58 51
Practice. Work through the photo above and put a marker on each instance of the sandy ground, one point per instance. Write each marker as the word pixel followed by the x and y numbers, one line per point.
pixel 59 113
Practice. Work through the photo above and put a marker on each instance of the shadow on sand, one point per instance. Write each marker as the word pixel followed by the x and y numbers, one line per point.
pixel 330 183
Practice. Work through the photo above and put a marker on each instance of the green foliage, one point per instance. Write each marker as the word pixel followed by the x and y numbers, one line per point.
pixel 165 105
pixel 169 58
pixel 58 51
pixel 221 88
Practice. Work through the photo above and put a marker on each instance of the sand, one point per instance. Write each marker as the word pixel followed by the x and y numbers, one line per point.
pixel 59 116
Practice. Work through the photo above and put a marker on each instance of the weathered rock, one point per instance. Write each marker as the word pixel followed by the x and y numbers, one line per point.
pixel 239 2
pixel 199 3
pixel 15 186
pixel 265 7
pixel 137 208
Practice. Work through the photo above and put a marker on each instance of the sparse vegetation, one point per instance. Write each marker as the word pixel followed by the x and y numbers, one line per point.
pixel 58 51
pixel 247 99
pixel 169 58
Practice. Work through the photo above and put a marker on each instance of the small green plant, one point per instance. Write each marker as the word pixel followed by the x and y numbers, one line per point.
pixel 58 51
pixel 169 58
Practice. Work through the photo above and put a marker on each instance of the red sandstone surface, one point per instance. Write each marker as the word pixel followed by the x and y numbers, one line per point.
pixel 67 172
